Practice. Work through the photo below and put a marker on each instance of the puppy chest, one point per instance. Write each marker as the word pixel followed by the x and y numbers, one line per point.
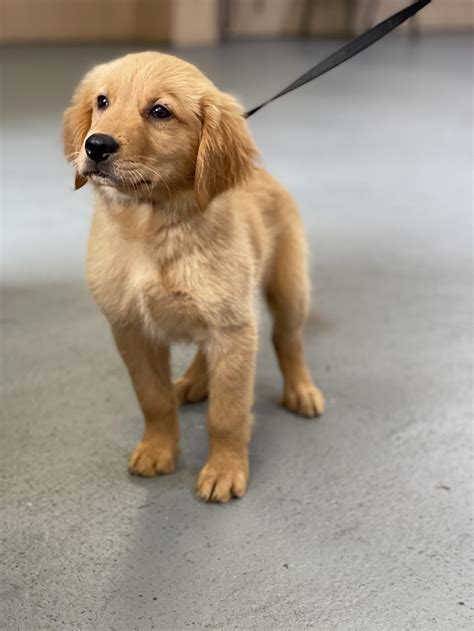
pixel 135 290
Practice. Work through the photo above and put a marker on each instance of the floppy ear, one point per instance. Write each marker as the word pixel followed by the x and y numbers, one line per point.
pixel 226 151
pixel 77 121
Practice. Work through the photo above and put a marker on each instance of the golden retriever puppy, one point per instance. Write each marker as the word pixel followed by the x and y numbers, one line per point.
pixel 185 228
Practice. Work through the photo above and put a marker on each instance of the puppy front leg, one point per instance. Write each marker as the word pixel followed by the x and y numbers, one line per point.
pixel 231 365
pixel 149 368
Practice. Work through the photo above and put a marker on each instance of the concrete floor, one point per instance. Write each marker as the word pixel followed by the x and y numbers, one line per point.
pixel 360 520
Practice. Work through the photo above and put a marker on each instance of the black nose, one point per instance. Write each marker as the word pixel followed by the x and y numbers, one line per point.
pixel 100 146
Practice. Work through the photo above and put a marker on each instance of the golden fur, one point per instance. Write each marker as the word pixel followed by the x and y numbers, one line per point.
pixel 185 228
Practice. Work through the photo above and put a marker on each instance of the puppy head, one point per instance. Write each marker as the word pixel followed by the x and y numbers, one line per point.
pixel 151 125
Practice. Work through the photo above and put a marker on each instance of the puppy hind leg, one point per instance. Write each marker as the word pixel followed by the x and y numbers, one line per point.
pixel 287 294
pixel 193 385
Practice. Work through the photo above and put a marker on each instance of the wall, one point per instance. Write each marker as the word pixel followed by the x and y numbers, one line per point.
pixel 191 22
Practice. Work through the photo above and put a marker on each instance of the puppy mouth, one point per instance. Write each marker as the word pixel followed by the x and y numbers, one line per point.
pixel 107 179
pixel 96 174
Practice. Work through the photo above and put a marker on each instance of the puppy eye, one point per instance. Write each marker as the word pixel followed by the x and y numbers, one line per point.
pixel 160 111
pixel 102 102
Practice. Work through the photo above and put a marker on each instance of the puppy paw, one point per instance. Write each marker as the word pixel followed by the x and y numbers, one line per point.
pixel 304 399
pixel 189 390
pixel 221 482
pixel 149 459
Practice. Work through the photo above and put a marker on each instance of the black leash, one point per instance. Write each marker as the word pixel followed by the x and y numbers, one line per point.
pixel 355 46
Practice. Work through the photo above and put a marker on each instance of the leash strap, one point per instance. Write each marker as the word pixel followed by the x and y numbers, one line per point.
pixel 352 48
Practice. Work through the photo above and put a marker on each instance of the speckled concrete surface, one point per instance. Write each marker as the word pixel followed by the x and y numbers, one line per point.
pixel 360 520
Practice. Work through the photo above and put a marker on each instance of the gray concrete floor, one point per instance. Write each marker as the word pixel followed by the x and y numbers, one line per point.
pixel 360 520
